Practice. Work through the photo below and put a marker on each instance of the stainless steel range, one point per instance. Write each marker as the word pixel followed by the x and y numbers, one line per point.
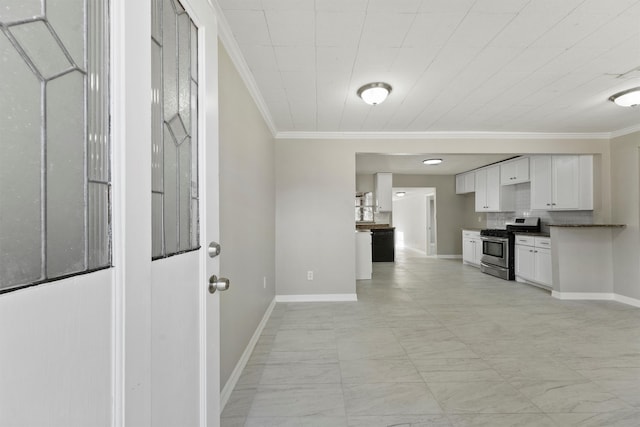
pixel 498 246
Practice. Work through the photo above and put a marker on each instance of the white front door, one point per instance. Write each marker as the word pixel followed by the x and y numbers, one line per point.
pixel 166 322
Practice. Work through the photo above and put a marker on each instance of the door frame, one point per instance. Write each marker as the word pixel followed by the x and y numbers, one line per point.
pixel 432 223
pixel 130 55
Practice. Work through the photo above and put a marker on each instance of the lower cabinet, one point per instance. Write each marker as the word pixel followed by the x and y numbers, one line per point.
pixel 471 247
pixel 383 245
pixel 363 255
pixel 533 260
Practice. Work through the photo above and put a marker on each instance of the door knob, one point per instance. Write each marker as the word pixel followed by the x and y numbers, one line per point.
pixel 213 249
pixel 215 284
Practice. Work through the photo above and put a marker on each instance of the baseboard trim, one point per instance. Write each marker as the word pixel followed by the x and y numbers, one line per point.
pixel 627 300
pixel 604 296
pixel 449 256
pixel 317 298
pixel 225 394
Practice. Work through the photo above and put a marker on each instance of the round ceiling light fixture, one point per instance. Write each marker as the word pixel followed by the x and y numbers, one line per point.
pixel 627 98
pixel 374 93
pixel 401 193
pixel 432 161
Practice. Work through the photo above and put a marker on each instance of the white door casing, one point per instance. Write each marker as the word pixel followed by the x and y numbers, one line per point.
pixel 432 240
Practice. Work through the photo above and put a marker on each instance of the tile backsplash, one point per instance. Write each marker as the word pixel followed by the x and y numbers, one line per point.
pixel 523 208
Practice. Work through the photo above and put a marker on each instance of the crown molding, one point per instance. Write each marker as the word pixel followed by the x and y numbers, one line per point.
pixel 625 131
pixel 229 42
pixel 440 135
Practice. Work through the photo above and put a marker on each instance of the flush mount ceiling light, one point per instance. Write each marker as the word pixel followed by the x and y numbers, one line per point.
pixel 432 161
pixel 627 98
pixel 374 93
pixel 401 193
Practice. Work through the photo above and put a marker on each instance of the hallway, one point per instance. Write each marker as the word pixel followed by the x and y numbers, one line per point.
pixel 432 342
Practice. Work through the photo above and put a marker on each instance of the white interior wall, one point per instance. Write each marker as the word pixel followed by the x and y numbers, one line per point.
pixel 410 221
pixel 315 187
pixel 247 216
pixel 625 191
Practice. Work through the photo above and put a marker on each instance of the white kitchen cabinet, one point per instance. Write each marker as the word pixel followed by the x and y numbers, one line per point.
pixel 533 260
pixel 364 264
pixel 543 267
pixel 471 247
pixel 514 171
pixel 490 195
pixel 383 184
pixel 465 182
pixel 562 182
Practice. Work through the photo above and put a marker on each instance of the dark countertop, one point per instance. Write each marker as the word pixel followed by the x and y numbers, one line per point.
pixel 588 225
pixel 471 229
pixel 372 226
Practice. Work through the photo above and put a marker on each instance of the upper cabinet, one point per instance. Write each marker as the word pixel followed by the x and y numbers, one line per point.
pixel 465 182
pixel 383 188
pixel 562 182
pixel 514 171
pixel 490 195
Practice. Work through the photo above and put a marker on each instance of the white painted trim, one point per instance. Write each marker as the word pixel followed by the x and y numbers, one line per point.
pixel 627 300
pixel 583 295
pixel 117 41
pixel 317 298
pixel 625 131
pixel 440 135
pixel 231 383
pixel 229 42
pixel 524 281
pixel 596 296
pixel 450 257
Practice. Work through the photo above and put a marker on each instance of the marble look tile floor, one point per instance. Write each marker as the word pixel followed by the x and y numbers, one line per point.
pixel 433 342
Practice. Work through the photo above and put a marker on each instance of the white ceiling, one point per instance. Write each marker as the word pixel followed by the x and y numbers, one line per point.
pixel 455 65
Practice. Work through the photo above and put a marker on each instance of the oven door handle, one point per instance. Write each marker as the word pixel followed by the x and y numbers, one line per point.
pixel 495 239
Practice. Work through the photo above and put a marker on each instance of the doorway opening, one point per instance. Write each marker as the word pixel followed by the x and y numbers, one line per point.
pixel 415 219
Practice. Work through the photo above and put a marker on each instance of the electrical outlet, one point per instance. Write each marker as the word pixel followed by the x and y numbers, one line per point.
pixel 309 275
pixel 264 282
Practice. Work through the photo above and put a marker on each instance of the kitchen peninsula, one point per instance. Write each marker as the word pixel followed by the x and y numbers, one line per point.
pixel 582 261
pixel 382 241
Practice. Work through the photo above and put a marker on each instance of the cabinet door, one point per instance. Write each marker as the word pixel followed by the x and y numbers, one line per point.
pixel 468 250
pixel 460 187
pixel 565 182
pixel 525 262
pixel 507 173
pixel 540 168
pixel 522 170
pixel 542 272
pixel 470 182
pixel 477 248
pixel 481 190
pixel 493 189
pixel 383 188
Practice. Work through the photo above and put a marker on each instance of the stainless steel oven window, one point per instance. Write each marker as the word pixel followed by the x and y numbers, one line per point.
pixel 494 249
